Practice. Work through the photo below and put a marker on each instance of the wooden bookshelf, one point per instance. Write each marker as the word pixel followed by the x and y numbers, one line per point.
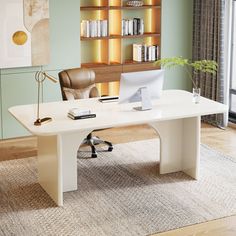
pixel 111 55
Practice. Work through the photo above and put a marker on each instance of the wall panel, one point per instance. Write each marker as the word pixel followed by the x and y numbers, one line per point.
pixel 19 86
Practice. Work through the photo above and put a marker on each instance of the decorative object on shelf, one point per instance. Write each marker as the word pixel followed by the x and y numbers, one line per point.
pixel 134 3
pixel 192 68
pixel 40 76
pixel 24 36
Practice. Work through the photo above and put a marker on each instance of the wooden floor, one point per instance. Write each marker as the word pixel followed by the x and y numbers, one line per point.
pixel 222 140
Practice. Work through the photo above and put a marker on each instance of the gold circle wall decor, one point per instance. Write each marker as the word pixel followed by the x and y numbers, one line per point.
pixel 19 37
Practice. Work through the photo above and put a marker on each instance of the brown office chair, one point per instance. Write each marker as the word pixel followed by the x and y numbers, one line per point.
pixel 78 84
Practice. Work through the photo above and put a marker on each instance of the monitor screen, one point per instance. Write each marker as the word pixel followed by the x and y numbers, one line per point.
pixel 135 85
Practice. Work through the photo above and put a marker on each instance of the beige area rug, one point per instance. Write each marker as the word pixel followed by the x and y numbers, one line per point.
pixel 119 193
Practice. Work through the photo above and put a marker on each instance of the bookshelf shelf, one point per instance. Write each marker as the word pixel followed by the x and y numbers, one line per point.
pixel 133 8
pixel 93 8
pixel 131 62
pixel 111 55
pixel 142 35
pixel 94 38
pixel 128 62
pixel 122 36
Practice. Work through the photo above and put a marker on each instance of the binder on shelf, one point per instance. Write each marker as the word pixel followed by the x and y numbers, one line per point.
pixel 137 52
pixel 98 28
pixel 126 27
pixel 94 28
pixel 91 29
pixel 142 52
pixel 157 52
pixel 104 28
pixel 133 26
pixel 122 27
pixel 141 26
pixel 149 53
pixel 153 53
pixel 85 28
pixel 137 26
pixel 130 27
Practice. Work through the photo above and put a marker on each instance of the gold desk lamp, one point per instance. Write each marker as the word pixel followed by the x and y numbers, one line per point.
pixel 40 76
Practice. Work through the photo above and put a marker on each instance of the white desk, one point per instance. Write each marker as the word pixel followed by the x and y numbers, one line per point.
pixel 175 117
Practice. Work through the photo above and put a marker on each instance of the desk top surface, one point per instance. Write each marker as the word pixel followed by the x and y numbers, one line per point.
pixel 173 104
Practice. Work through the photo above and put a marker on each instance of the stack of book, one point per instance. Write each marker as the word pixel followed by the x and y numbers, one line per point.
pixel 94 28
pixel 143 52
pixel 132 26
pixel 76 113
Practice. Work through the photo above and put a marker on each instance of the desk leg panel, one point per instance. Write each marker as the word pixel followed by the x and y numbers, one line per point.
pixel 68 147
pixel 191 146
pixel 180 145
pixel 170 133
pixel 49 167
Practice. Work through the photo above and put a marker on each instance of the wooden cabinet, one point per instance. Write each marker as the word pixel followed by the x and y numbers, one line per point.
pixel 111 55
pixel 105 73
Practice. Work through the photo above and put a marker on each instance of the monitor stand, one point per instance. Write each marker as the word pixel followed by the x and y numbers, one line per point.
pixel 145 100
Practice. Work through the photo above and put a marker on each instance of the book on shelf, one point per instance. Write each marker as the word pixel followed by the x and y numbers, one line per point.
pixel 133 26
pixel 130 27
pixel 137 52
pixel 94 28
pixel 104 28
pixel 141 29
pixel 84 28
pixel 99 33
pixel 143 52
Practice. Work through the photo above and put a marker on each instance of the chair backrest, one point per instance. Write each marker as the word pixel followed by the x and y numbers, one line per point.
pixel 77 83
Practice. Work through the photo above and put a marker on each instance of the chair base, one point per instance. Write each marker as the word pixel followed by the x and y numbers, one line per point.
pixel 92 141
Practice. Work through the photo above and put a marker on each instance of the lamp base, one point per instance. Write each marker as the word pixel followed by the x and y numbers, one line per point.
pixel 42 121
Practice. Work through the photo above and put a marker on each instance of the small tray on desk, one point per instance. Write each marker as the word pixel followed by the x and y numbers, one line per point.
pixel 108 99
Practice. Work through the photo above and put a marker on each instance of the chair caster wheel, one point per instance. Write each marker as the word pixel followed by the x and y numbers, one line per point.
pixel 110 149
pixel 94 155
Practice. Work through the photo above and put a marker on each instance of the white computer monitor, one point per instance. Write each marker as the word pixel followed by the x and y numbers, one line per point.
pixel 141 86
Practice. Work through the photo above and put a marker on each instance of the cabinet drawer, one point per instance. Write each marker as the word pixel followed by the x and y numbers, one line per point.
pixel 139 67
pixel 107 73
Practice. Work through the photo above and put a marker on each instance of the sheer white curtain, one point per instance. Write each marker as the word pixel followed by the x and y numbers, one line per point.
pixel 232 68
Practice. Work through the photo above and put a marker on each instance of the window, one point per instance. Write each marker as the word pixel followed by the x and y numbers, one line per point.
pixel 232 109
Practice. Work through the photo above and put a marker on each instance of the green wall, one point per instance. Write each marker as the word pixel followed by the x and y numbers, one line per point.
pixel 177 21
pixel 17 86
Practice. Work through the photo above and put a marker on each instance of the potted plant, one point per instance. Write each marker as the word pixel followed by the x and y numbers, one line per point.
pixel 191 68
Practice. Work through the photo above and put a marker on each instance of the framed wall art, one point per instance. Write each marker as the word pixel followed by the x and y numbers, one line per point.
pixel 24 33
